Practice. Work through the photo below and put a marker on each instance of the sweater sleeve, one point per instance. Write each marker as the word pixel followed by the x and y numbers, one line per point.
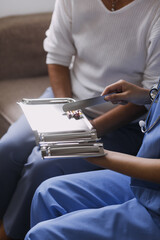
pixel 152 69
pixel 58 42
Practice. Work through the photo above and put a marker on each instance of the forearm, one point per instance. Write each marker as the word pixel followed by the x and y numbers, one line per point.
pixel 142 168
pixel 60 80
pixel 117 117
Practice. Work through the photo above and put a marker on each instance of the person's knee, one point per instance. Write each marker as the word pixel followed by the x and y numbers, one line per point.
pixel 35 233
pixel 38 170
pixel 53 194
pixel 34 172
pixel 45 230
pixel 15 148
pixel 52 186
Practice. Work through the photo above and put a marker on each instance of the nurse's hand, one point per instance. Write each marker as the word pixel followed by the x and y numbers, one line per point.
pixel 123 92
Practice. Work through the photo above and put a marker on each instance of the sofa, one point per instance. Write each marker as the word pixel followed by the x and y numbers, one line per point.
pixel 23 71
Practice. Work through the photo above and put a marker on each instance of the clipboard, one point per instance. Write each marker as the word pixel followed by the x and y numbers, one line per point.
pixel 58 135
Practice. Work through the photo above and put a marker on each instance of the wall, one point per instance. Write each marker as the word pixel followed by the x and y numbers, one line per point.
pixel 14 7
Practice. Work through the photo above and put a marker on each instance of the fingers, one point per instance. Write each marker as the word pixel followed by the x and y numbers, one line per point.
pixel 114 88
pixel 117 98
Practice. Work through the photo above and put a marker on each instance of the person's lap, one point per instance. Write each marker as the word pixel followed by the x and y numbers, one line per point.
pixel 79 191
pixel 128 221
pixel 95 205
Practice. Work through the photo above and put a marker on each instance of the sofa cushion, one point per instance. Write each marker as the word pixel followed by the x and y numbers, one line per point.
pixel 21 45
pixel 12 91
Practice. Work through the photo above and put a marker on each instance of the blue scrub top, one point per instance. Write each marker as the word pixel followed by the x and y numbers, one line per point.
pixel 148 193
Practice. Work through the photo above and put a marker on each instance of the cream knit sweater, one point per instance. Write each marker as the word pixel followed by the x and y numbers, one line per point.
pixel 107 46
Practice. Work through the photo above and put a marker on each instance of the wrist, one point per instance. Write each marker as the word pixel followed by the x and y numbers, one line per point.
pixel 153 92
pixel 100 130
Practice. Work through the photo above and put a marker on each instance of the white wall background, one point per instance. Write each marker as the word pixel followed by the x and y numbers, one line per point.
pixel 14 7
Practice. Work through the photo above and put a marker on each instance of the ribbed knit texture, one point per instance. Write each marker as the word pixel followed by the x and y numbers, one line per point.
pixel 108 46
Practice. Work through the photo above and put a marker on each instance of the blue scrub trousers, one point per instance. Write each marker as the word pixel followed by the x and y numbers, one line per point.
pixel 96 205
pixel 22 169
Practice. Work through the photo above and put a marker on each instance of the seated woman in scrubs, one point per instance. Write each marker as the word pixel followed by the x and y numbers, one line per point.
pixel 121 202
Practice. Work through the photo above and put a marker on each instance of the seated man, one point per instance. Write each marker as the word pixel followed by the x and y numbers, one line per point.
pixel 104 204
